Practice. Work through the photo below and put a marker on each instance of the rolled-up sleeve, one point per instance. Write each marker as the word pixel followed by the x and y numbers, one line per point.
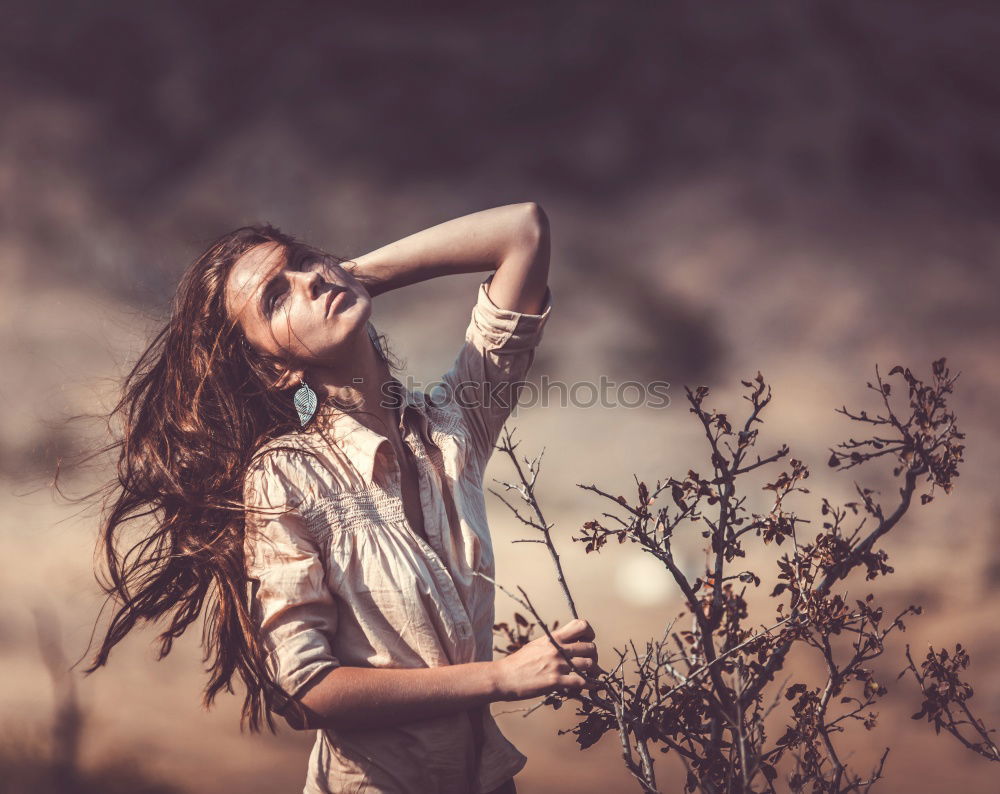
pixel 293 607
pixel 492 364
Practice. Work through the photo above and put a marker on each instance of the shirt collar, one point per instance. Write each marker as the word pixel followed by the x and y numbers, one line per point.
pixel 360 443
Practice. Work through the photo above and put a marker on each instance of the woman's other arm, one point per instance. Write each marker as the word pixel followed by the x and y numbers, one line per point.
pixel 298 618
pixel 349 698
pixel 512 239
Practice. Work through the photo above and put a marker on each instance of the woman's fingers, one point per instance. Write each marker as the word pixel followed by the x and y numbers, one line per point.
pixel 583 664
pixel 580 649
pixel 572 681
pixel 575 640
pixel 577 629
pixel 582 653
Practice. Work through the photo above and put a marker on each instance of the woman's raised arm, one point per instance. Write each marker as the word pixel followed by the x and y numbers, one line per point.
pixel 512 239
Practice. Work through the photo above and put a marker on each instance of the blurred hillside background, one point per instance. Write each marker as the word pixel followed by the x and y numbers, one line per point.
pixel 807 190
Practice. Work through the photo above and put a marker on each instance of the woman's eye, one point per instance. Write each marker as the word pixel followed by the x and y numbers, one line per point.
pixel 297 264
pixel 276 301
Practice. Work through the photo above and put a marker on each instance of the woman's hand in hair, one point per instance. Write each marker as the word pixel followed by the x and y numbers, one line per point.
pixel 365 278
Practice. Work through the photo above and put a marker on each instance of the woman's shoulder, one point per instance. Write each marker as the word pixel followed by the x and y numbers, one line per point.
pixel 288 444
pixel 302 463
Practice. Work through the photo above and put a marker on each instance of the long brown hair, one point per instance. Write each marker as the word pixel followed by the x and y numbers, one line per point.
pixel 193 411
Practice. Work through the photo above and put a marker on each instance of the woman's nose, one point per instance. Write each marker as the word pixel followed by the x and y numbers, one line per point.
pixel 311 282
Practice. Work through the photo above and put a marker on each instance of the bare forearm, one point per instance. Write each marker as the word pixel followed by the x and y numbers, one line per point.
pixel 469 244
pixel 361 697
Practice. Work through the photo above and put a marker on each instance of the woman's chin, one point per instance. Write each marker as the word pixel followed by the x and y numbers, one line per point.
pixel 360 308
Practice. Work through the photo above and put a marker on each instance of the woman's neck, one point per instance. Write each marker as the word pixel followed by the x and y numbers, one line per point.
pixel 361 391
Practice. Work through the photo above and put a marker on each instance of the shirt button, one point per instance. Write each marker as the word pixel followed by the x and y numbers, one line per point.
pixel 464 631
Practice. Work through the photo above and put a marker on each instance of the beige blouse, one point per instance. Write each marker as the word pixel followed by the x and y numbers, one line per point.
pixel 339 577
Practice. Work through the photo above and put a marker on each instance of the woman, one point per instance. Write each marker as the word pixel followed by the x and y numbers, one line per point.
pixel 335 519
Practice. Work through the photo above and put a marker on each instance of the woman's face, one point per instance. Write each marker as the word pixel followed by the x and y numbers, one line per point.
pixel 307 308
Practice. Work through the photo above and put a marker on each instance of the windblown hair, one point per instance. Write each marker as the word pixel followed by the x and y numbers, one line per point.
pixel 193 411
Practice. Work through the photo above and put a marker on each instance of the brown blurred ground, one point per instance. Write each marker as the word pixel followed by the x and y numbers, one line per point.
pixel 803 190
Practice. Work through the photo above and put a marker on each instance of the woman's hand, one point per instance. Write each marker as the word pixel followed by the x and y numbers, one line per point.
pixel 539 668
pixel 368 281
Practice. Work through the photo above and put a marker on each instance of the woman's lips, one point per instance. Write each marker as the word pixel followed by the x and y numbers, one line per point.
pixel 334 301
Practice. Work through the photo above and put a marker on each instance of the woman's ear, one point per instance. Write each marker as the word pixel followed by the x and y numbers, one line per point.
pixel 288 379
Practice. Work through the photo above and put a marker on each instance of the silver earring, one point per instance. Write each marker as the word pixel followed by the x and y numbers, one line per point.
pixel 305 403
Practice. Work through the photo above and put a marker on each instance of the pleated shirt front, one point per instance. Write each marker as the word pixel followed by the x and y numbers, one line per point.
pixel 339 577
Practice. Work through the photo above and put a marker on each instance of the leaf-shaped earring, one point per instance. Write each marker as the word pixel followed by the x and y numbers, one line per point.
pixel 305 403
